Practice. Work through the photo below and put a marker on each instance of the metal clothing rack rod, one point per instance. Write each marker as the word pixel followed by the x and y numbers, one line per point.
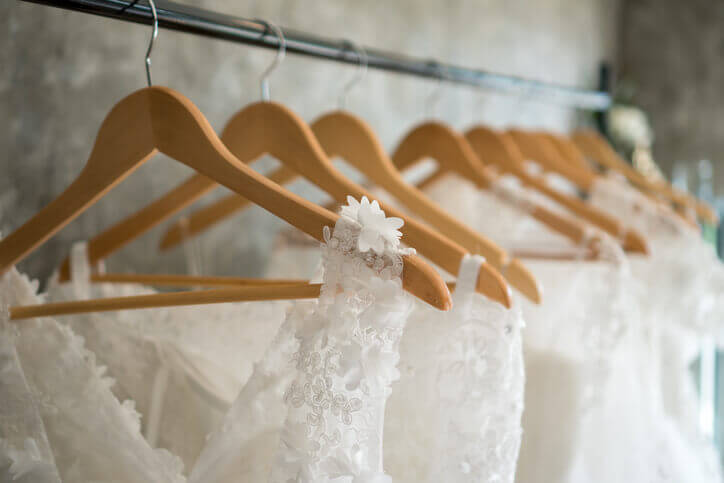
pixel 184 18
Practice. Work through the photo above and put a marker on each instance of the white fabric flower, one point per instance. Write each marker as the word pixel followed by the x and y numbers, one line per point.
pixel 351 209
pixel 377 230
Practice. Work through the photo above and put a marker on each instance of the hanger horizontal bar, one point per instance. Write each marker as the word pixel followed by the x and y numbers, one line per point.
pixel 184 18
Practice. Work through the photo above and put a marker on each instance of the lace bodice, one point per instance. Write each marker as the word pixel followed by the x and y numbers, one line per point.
pixel 454 415
pixel 336 402
pixel 313 409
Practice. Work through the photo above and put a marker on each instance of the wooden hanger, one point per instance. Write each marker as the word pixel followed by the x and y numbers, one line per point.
pixel 454 153
pixel 569 151
pixel 249 136
pixel 244 289
pixel 172 299
pixel 160 119
pixel 572 154
pixel 539 148
pixel 346 136
pixel 298 148
pixel 501 150
pixel 204 218
pixel 270 128
pixel 168 280
pixel 595 147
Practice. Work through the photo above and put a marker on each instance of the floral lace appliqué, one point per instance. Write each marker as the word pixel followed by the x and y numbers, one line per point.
pixel 348 353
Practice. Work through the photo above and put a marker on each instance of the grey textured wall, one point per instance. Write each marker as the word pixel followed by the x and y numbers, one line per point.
pixel 62 71
pixel 672 57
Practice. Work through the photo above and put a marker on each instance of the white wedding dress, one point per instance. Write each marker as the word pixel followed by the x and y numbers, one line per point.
pixel 182 367
pixel 624 411
pixel 312 406
pixel 679 285
pixel 454 414
pixel 475 368
pixel 576 345
pixel 469 359
pixel 313 409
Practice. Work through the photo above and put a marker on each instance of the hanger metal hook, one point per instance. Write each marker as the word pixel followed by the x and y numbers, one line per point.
pixel 363 59
pixel 434 96
pixel 154 34
pixel 264 83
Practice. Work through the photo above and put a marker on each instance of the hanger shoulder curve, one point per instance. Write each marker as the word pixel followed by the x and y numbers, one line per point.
pixel 342 134
pixel 123 143
pixel 570 152
pixel 541 150
pixel 437 141
pixel 267 128
pixel 208 216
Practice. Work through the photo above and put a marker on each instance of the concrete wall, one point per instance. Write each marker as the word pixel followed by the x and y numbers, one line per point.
pixel 62 71
pixel 672 57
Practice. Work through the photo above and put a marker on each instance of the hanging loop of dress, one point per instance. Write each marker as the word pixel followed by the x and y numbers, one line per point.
pixel 281 52
pixel 154 34
pixel 363 62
